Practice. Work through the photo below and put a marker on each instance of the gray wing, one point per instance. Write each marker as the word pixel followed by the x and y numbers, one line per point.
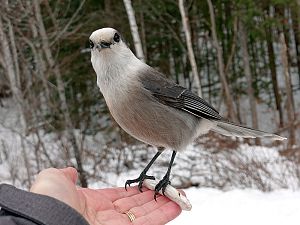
pixel 173 95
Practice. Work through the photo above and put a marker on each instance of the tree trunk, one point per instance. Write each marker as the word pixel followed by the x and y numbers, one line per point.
pixel 61 92
pixel 296 31
pixel 247 70
pixel 40 64
pixel 209 77
pixel 272 66
pixel 290 105
pixel 134 30
pixel 143 32
pixel 221 68
pixel 230 58
pixel 12 69
pixel 280 13
pixel 187 32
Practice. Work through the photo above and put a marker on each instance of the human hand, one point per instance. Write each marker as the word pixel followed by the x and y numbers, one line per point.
pixel 105 206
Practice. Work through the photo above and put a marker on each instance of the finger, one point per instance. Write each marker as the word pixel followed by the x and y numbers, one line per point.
pixel 117 193
pixel 162 215
pixel 71 173
pixel 124 204
pixel 149 207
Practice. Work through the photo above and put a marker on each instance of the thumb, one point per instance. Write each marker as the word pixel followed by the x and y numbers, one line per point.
pixel 70 173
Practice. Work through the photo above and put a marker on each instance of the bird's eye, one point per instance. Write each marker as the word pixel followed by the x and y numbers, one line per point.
pixel 117 37
pixel 91 44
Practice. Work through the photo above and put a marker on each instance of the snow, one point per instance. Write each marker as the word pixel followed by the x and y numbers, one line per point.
pixel 236 207
pixel 233 168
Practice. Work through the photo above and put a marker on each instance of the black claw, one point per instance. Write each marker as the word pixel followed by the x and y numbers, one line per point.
pixel 150 177
pixel 128 182
pixel 126 185
pixel 162 185
pixel 140 185
pixel 139 180
pixel 155 194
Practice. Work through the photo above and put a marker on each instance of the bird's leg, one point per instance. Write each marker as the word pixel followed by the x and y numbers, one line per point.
pixel 166 179
pixel 143 174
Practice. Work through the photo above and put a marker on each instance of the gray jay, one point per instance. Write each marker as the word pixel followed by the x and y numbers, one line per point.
pixel 152 108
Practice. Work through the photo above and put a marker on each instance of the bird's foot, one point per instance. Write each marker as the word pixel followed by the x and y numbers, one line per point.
pixel 139 180
pixel 162 185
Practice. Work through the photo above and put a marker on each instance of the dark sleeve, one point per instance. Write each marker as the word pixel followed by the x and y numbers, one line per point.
pixel 20 207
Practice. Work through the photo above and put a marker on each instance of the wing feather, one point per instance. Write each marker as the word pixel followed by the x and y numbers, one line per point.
pixel 176 96
pixel 198 106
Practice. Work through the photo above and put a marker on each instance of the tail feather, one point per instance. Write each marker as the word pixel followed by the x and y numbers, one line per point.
pixel 230 129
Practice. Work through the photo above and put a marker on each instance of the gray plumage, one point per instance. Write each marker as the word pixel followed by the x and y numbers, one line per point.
pixel 178 97
pixel 151 107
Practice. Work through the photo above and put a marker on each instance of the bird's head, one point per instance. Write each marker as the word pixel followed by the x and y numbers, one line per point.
pixel 110 55
pixel 109 49
pixel 105 39
pixel 108 43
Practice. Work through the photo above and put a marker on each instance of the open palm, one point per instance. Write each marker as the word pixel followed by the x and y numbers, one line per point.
pixel 105 206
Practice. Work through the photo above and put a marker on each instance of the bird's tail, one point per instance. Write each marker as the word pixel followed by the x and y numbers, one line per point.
pixel 231 129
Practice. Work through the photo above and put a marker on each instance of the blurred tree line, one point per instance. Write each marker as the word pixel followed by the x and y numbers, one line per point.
pixel 246 52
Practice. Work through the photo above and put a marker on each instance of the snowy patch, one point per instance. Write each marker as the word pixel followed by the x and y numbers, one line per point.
pixel 247 207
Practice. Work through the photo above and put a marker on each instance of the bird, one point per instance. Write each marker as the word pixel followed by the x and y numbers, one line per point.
pixel 152 108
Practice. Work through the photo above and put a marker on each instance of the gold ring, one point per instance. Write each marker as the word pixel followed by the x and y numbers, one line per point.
pixel 130 215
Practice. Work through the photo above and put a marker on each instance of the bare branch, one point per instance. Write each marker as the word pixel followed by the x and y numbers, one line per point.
pixel 71 20
pixel 225 86
pixel 290 105
pixel 172 193
pixel 187 32
pixel 233 46
pixel 134 30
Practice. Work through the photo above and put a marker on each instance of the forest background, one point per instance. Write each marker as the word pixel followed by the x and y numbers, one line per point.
pixel 242 56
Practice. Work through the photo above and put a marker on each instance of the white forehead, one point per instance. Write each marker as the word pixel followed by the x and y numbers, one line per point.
pixel 104 34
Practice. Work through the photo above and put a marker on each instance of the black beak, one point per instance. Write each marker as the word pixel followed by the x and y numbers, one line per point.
pixel 103 44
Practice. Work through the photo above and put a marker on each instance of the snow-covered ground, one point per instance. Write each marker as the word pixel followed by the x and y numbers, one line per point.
pixel 236 207
pixel 235 169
